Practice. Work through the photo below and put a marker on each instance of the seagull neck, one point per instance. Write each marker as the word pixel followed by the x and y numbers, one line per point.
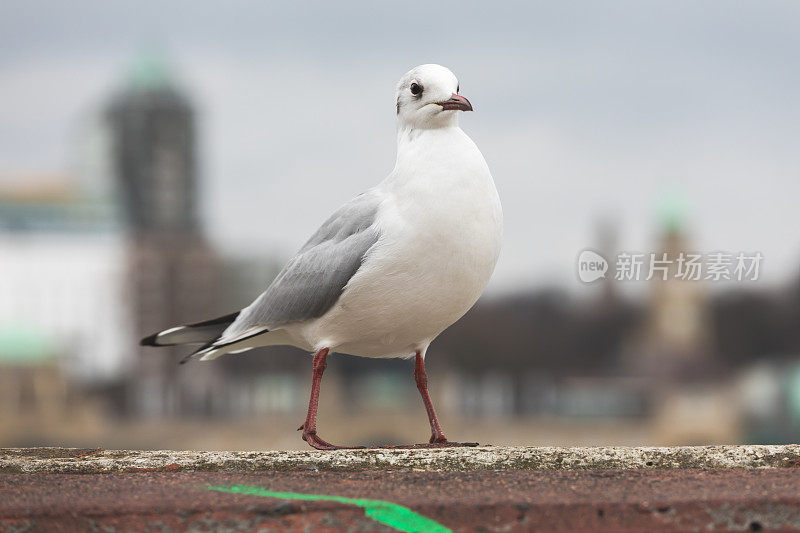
pixel 407 135
pixel 425 145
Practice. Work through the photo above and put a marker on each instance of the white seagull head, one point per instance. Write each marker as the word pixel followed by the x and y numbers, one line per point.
pixel 427 98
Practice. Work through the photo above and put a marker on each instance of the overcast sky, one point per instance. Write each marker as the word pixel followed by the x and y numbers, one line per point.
pixel 584 111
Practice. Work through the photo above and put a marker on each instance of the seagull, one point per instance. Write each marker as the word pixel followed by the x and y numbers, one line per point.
pixel 390 269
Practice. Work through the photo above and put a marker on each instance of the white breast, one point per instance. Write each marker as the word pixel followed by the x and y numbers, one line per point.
pixel 441 225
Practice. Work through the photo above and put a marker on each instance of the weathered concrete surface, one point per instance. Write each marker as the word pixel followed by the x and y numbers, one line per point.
pixel 517 500
pixel 450 459
pixel 722 488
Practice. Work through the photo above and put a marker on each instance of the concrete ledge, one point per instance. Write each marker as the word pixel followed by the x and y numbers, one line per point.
pixel 719 488
pixel 450 459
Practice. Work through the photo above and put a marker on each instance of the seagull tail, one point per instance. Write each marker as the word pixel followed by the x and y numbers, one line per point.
pixel 215 348
pixel 198 333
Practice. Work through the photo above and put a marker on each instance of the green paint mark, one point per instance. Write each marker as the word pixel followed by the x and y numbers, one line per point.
pixel 391 514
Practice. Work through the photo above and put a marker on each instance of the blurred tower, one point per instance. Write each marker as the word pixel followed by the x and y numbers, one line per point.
pixel 154 153
pixel 172 271
pixel 676 341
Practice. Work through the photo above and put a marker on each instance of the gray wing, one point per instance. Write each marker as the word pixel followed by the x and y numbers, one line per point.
pixel 313 279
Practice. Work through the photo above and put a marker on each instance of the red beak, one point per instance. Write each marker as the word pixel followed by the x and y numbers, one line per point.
pixel 457 103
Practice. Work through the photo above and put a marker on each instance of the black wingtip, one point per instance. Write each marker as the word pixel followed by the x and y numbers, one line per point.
pixel 192 355
pixel 187 358
pixel 149 341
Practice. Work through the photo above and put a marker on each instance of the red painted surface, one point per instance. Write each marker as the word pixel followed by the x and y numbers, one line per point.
pixel 651 500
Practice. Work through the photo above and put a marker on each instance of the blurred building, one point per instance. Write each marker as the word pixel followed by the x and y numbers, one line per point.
pixel 152 125
pixel 31 383
pixel 173 274
pixel 770 400
pixel 36 394
pixel 61 273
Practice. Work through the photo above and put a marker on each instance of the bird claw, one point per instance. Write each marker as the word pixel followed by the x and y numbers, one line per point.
pixel 320 444
pixel 437 439
pixel 316 442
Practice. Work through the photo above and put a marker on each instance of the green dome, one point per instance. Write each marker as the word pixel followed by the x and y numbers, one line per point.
pixel 150 71
pixel 672 211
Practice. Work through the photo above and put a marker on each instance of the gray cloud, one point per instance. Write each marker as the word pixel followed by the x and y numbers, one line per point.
pixel 584 110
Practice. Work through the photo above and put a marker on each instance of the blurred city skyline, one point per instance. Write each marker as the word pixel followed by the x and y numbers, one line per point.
pixel 159 164
pixel 585 113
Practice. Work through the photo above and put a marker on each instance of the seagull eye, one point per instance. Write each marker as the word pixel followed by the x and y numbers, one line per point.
pixel 416 89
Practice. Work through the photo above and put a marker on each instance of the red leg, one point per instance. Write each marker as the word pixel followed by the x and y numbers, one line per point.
pixel 309 427
pixel 421 377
